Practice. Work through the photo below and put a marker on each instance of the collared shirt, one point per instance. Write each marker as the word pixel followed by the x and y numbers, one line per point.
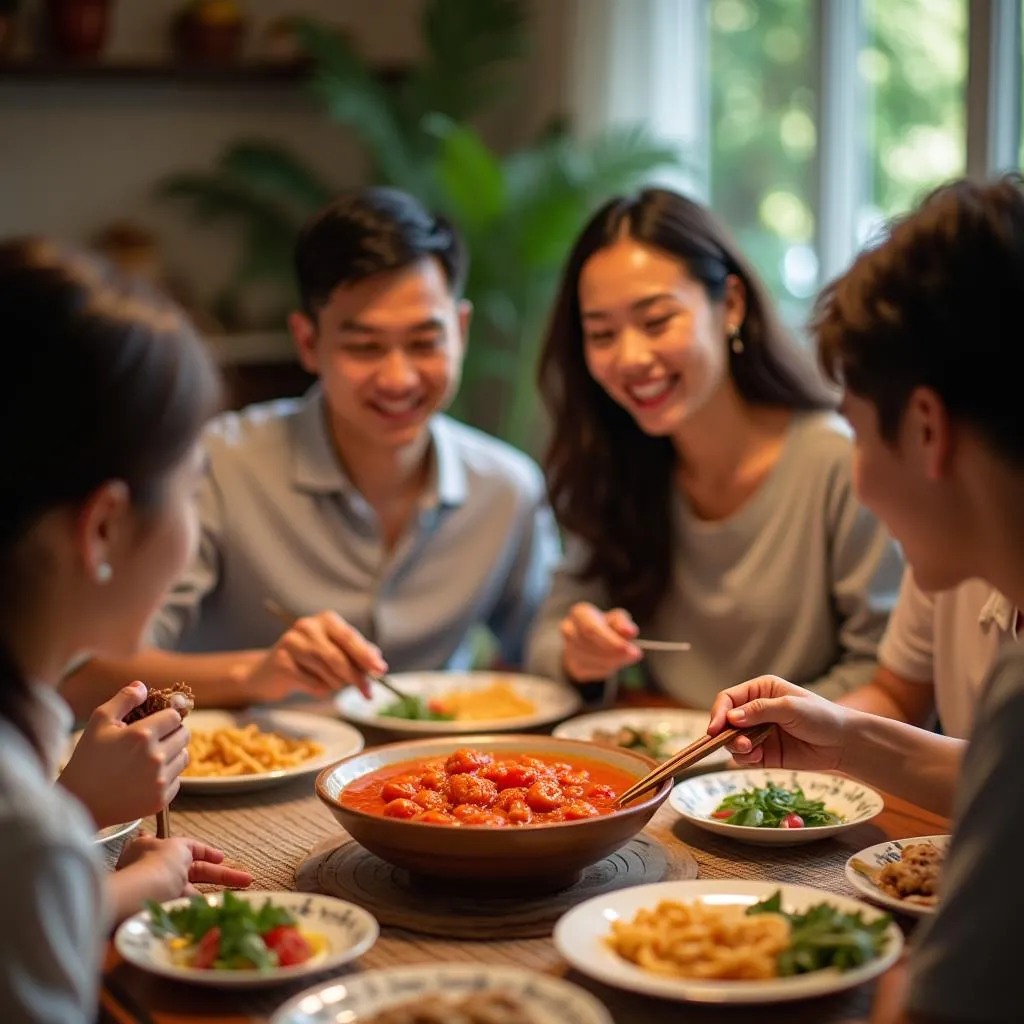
pixel 950 640
pixel 282 521
pixel 51 881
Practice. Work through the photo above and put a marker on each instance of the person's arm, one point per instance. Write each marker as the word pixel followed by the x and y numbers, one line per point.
pixel 527 583
pixel 892 696
pixel 818 734
pixel 218 679
pixel 910 763
pixel 865 566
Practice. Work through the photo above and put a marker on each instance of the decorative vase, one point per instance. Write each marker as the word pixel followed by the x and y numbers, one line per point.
pixel 8 33
pixel 77 29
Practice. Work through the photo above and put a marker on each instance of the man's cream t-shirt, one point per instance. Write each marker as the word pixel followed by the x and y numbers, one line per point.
pixel 951 639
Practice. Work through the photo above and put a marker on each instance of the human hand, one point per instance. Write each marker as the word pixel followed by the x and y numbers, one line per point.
pixel 317 653
pixel 122 772
pixel 597 644
pixel 164 869
pixel 810 730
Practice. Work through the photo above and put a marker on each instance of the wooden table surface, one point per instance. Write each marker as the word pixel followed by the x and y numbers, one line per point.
pixel 271 832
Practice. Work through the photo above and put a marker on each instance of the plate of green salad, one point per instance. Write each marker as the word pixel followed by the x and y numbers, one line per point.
pixel 775 807
pixel 246 939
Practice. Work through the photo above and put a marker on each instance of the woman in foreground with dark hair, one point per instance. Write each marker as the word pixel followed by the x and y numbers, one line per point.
pixel 108 390
pixel 699 472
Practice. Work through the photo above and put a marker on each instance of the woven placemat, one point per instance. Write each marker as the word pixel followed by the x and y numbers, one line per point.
pixel 398 899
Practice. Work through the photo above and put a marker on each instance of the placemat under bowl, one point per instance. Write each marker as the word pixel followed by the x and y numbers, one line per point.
pixel 401 900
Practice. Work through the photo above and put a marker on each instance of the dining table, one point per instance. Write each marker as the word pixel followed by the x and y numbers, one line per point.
pixel 270 832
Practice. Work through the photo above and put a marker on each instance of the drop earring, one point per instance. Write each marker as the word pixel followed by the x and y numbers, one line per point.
pixel 104 573
pixel 735 341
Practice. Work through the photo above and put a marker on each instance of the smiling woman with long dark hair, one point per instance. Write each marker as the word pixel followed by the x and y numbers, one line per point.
pixel 698 470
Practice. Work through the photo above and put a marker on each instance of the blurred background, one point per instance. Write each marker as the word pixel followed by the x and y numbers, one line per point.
pixel 190 139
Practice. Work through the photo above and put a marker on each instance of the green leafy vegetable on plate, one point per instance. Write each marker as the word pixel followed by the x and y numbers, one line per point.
pixel 774 806
pixel 823 937
pixel 231 935
pixel 414 709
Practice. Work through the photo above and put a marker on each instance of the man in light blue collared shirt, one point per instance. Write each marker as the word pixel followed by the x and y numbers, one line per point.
pixel 388 528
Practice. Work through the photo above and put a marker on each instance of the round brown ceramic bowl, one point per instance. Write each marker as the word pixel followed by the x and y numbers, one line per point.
pixel 527 856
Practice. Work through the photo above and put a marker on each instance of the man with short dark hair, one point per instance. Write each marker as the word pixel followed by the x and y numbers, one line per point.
pixel 923 333
pixel 389 529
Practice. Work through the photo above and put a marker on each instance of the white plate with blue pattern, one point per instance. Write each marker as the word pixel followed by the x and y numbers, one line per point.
pixel 345 930
pixel 874 858
pixel 698 798
pixel 360 997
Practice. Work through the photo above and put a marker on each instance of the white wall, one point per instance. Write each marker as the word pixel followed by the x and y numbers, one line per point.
pixel 76 156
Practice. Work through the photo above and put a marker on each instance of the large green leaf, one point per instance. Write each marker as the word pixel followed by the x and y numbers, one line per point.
pixel 470 180
pixel 217 197
pixel 354 95
pixel 466 43
pixel 268 169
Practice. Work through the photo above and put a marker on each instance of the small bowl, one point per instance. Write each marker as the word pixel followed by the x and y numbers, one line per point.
pixel 549 856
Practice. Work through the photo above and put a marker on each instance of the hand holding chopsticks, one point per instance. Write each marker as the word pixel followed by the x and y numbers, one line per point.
pixel 343 646
pixel 692 755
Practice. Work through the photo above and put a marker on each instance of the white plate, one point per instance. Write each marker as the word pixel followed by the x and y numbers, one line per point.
pixel 887 853
pixel 357 998
pixel 580 938
pixel 338 740
pixel 114 832
pixel 695 799
pixel 553 702
pixel 682 728
pixel 349 931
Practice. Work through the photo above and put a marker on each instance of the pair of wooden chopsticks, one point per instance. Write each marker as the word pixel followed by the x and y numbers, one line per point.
pixel 288 618
pixel 690 755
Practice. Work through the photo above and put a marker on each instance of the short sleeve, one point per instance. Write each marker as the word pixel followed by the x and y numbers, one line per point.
pixel 183 605
pixel 52 910
pixel 907 648
pixel 967 956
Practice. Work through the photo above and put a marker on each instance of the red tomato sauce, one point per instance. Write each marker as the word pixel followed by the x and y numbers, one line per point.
pixel 471 787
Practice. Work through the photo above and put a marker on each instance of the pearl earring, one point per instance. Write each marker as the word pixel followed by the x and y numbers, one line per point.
pixel 104 573
pixel 735 341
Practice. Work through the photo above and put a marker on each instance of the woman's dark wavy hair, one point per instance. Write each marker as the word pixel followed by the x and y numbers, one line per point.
pixel 105 380
pixel 610 484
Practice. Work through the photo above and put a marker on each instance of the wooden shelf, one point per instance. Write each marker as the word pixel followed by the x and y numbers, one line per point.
pixel 143 72
pixel 137 72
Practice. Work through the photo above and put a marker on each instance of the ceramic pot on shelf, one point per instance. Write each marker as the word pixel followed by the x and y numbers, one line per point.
pixel 209 32
pixel 77 29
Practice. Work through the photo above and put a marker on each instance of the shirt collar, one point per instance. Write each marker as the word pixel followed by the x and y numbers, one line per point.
pixel 1001 611
pixel 316 469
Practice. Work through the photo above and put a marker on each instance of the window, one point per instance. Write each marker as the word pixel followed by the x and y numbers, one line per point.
pixel 912 66
pixel 763 140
